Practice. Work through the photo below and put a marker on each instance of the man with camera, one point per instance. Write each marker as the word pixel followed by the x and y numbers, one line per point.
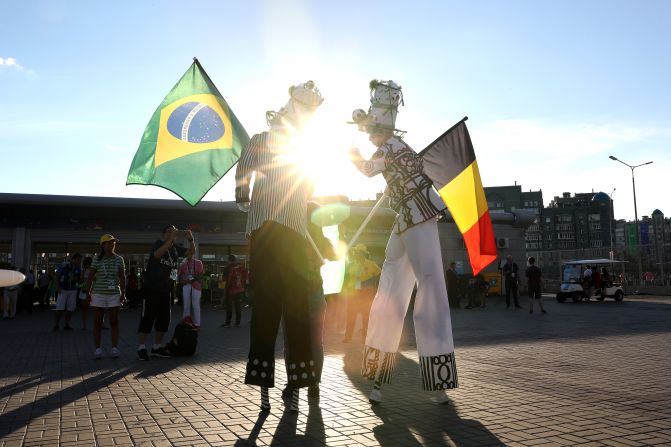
pixel 159 279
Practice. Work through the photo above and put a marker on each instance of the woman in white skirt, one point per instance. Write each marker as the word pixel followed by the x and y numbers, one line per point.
pixel 106 285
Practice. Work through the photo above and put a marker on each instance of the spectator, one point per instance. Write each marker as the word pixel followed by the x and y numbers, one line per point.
pixel 106 285
pixel 68 277
pixel 362 276
pixel 510 271
pixel 43 289
pixel 11 297
pixel 452 280
pixel 236 278
pixel 158 283
pixel 596 282
pixel 82 292
pixel 477 290
pixel 191 275
pixel 534 283
pixel 587 282
pixel 605 281
pixel 29 292
pixel 133 288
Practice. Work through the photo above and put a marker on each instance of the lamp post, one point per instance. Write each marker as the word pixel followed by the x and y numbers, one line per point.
pixel 610 228
pixel 638 231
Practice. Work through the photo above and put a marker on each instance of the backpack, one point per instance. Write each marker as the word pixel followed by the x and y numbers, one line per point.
pixel 184 340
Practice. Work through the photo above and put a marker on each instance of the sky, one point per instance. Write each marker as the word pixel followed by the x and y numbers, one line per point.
pixel 551 89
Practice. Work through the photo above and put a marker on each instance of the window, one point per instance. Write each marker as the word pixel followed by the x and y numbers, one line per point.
pixel 594 217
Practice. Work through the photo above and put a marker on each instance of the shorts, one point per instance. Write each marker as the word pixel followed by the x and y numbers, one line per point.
pixel 105 301
pixel 155 311
pixel 66 300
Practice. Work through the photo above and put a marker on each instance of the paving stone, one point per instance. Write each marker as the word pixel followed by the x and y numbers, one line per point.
pixel 592 374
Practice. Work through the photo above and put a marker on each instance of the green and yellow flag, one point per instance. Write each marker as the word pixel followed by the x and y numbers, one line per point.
pixel 191 141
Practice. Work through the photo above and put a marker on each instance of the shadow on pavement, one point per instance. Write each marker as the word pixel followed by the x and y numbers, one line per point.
pixel 285 432
pixel 21 416
pixel 409 417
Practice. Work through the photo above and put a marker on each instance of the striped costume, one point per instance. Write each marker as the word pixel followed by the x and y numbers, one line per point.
pixel 276 227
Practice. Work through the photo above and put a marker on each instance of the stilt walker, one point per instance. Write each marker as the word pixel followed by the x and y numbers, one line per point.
pixel 412 255
pixel 276 228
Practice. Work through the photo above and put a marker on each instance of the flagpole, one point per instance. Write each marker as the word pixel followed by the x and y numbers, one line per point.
pixel 366 220
pixel 312 242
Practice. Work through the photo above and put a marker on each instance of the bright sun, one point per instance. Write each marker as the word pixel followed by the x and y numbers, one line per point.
pixel 322 152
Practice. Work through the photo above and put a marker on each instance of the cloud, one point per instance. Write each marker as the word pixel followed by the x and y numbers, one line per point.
pixel 12 63
pixel 573 158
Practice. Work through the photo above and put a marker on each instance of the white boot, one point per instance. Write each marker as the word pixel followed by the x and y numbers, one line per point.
pixel 375 396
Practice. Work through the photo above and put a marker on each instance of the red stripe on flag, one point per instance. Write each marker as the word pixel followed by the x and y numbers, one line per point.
pixel 480 243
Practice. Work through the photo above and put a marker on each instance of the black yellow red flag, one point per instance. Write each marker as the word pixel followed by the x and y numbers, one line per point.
pixel 450 163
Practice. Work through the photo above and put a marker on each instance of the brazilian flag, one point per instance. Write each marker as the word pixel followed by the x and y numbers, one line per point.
pixel 191 141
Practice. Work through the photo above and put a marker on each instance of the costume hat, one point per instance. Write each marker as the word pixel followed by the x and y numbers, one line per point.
pixel 385 97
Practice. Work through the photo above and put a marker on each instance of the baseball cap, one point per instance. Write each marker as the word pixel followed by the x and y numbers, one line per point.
pixel 106 238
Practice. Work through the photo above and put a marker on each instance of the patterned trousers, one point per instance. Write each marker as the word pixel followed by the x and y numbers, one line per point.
pixel 412 257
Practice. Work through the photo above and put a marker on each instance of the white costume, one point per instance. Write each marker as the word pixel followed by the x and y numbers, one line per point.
pixel 412 255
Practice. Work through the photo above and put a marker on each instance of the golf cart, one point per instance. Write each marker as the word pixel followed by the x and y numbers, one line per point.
pixel 572 276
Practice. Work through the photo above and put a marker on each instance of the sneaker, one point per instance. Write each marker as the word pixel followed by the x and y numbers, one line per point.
pixel 226 325
pixel 67 327
pixel 375 396
pixel 55 329
pixel 142 354
pixel 114 353
pixel 160 352
pixel 441 397
pixel 543 311
pixel 98 354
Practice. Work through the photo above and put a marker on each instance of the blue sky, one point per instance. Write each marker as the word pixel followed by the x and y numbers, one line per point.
pixel 551 88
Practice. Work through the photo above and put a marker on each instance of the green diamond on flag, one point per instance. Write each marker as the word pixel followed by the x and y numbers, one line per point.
pixel 191 141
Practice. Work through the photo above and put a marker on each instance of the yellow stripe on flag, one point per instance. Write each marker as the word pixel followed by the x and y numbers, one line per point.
pixel 465 197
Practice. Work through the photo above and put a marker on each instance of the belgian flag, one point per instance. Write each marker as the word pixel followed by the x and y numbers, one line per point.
pixel 450 163
pixel 191 141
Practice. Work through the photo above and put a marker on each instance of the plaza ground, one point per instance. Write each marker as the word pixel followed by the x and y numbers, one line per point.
pixel 584 374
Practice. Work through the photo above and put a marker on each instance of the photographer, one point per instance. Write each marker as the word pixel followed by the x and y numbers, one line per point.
pixel 190 277
pixel 159 279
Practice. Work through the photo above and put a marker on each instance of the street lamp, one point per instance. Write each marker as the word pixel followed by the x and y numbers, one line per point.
pixel 610 228
pixel 638 231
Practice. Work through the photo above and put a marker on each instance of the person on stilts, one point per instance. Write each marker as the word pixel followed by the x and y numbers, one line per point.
pixel 412 256
pixel 276 228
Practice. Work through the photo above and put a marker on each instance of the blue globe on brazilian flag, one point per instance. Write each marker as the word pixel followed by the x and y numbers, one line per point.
pixel 191 141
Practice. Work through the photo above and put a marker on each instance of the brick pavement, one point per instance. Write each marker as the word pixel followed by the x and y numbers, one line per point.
pixel 585 374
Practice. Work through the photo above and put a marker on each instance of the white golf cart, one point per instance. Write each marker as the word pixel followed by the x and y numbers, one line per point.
pixel 571 281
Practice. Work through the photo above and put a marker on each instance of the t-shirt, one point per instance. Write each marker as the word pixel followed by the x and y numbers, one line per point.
pixel 191 268
pixel 157 276
pixel 68 276
pixel 534 276
pixel 235 278
pixel 106 279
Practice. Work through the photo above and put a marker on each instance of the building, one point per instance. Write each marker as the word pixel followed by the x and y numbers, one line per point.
pixel 40 231
pixel 509 199
pixel 581 221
